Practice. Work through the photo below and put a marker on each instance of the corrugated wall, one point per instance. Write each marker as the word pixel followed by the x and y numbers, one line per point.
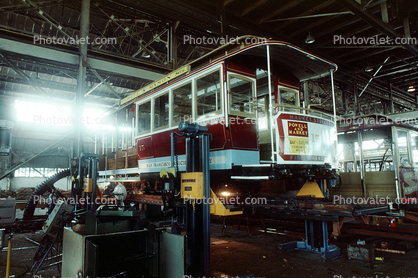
pixel 57 157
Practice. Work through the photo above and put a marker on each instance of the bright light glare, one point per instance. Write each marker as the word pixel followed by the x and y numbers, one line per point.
pixel 124 128
pixel 50 114
pixel 42 113
pixel 225 193
pixel 340 151
pixel 93 118
pixel 262 123
pixel 369 145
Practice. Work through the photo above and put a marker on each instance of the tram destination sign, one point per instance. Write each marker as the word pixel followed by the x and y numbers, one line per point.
pixel 172 75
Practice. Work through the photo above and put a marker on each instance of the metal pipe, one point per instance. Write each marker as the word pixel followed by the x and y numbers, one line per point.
pixel 123 137
pixel 362 166
pixel 270 105
pixel 133 132
pixel 206 205
pixel 94 162
pixel 81 75
pixel 396 161
pixel 309 16
pixel 103 143
pixel 371 79
pixel 172 149
pixel 333 98
pixel 112 145
pixel 305 95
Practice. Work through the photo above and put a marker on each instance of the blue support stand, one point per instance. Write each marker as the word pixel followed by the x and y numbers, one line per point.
pixel 314 241
pixel 316 238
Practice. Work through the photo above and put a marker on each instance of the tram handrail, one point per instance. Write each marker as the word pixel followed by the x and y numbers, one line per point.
pixel 282 107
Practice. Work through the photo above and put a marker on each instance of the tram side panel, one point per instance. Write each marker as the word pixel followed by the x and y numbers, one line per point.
pixel 233 145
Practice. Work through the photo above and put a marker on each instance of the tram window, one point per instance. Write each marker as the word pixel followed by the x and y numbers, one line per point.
pixel 262 113
pixel 241 91
pixel 414 147
pixel 208 93
pixel 288 97
pixel 182 104
pixel 161 111
pixel 144 117
pixel 403 149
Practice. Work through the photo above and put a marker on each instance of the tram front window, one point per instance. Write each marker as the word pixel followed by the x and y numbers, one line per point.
pixel 241 95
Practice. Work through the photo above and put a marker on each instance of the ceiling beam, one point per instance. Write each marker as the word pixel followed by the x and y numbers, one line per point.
pixel 357 57
pixel 308 12
pixel 289 5
pixel 396 72
pixel 375 22
pixel 72 59
pixel 253 6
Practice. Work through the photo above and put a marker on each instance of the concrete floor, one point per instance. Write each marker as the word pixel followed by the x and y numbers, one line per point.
pixel 235 253
pixel 240 254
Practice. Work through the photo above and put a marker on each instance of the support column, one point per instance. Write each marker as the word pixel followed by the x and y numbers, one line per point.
pixel 305 94
pixel 356 101
pixel 273 157
pixel 416 100
pixel 407 29
pixel 384 11
pixel 205 138
pixel 391 105
pixel 81 75
pixel 362 164
pixel 334 105
pixel 344 99
pixel 172 49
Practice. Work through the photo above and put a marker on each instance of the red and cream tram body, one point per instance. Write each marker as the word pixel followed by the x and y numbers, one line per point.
pixel 248 96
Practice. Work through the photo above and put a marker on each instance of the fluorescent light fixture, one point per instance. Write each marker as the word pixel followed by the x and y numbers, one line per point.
pixel 411 89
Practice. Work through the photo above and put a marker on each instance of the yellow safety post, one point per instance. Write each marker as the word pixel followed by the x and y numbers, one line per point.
pixel 9 251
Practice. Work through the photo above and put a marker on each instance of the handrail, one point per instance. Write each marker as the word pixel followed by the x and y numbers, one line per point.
pixel 286 106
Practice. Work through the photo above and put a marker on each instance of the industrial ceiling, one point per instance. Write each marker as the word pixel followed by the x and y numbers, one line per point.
pixel 151 41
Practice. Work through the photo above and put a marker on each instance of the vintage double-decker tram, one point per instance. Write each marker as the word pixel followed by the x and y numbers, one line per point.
pixel 249 98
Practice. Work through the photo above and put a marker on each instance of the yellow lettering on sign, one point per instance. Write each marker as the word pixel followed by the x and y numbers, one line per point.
pixel 172 75
pixel 299 145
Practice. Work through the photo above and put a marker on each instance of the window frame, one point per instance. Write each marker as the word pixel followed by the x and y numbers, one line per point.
pixel 220 110
pixel 254 96
pixel 280 87
pixel 192 101
pixel 137 117
pixel 168 93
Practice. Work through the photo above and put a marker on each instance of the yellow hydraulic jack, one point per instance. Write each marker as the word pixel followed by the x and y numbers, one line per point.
pixel 311 189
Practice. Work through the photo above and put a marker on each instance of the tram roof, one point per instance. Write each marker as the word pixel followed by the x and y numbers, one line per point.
pixel 285 56
pixel 301 63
